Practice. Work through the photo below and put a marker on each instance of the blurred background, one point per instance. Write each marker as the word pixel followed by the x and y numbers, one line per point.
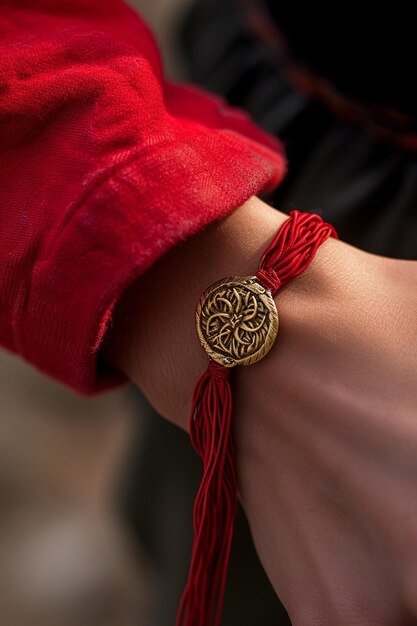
pixel 67 555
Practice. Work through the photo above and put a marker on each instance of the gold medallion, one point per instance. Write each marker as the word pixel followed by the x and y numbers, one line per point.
pixel 237 320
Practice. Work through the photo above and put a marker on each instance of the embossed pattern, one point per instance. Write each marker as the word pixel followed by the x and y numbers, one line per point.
pixel 237 320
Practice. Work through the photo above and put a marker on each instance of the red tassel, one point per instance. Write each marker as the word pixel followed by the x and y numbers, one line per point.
pixel 216 501
pixel 291 251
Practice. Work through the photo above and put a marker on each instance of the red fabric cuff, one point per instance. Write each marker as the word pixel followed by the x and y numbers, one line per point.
pixel 110 240
pixel 104 167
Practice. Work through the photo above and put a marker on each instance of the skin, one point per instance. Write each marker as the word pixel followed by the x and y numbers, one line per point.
pixel 325 424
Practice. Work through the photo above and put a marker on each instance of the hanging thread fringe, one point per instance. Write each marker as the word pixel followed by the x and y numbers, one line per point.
pixel 290 253
pixel 216 500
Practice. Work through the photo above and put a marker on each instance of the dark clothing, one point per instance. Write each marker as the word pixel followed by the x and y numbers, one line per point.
pixel 366 188
pixel 370 55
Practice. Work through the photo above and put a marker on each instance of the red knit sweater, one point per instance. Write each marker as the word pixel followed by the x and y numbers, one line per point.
pixel 104 166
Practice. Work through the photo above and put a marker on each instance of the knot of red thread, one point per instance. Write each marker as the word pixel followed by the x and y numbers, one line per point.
pixel 217 370
pixel 268 279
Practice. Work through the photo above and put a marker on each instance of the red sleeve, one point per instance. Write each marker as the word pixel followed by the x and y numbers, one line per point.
pixel 104 166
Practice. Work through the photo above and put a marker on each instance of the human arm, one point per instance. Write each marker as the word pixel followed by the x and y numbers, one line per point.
pixel 325 424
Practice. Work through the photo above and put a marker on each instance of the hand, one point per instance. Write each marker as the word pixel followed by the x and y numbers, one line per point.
pixel 325 425
pixel 328 445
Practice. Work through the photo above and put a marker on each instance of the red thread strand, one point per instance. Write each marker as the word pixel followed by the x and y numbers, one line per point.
pixel 294 246
pixel 289 253
pixel 216 499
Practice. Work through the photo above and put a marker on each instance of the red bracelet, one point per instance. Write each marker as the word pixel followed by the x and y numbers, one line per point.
pixel 237 324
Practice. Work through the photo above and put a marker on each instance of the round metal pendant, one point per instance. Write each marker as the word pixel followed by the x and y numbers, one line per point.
pixel 237 320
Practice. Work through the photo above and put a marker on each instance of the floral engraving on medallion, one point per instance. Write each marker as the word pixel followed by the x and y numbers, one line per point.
pixel 237 320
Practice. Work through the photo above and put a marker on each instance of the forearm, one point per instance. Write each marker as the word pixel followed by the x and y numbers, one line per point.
pixel 153 337
pixel 324 425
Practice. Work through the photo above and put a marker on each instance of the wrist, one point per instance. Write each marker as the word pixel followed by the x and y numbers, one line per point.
pixel 154 340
